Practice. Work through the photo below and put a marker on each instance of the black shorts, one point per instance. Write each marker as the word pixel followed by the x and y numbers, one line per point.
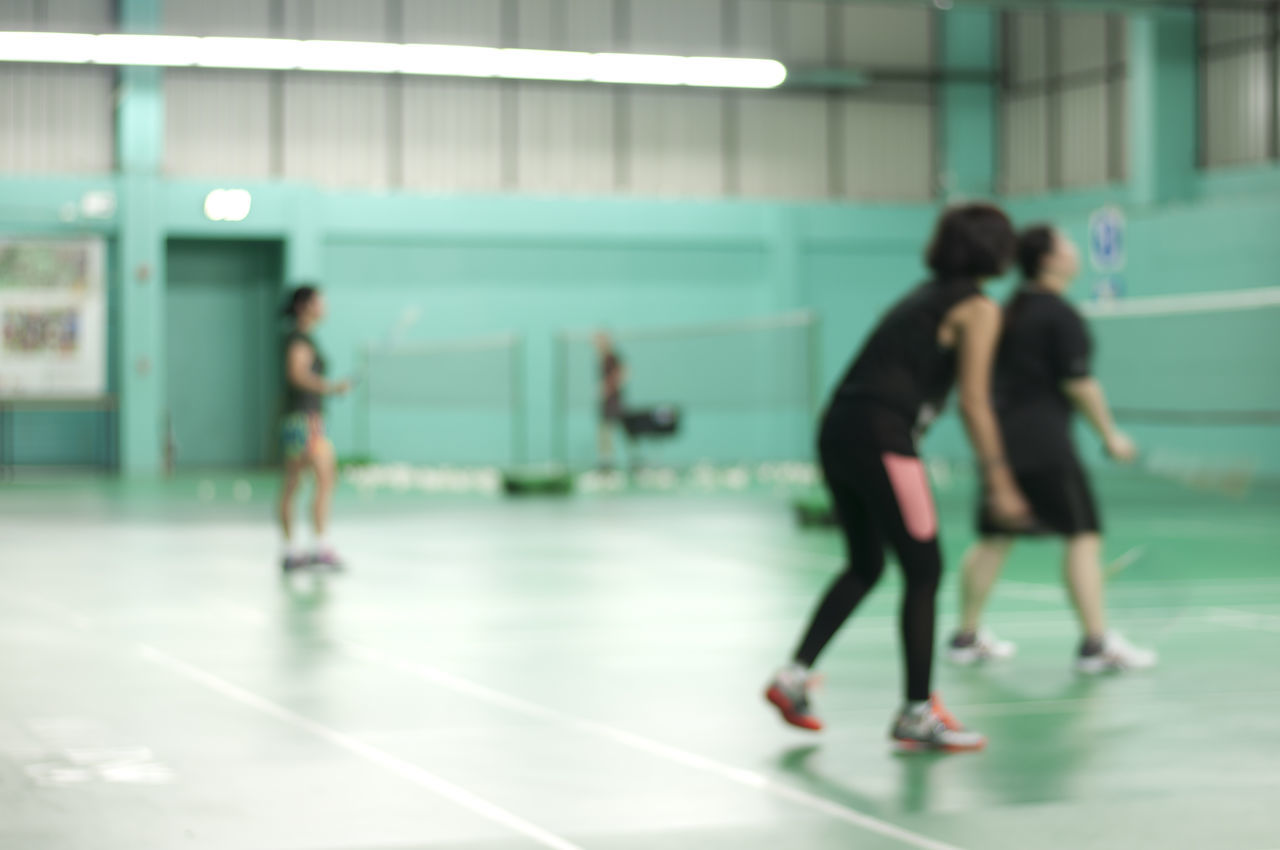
pixel 1061 500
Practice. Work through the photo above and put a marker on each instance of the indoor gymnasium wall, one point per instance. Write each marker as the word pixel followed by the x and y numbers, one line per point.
pixel 535 268
pixel 487 255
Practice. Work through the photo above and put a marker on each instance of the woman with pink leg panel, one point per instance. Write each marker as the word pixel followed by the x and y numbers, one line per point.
pixel 941 331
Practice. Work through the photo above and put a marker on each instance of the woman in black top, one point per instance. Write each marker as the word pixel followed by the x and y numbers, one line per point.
pixel 942 329
pixel 303 439
pixel 1042 376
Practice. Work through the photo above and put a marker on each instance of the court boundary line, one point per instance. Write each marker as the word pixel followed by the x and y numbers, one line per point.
pixel 408 771
pixel 678 755
pixel 405 770
pixel 459 795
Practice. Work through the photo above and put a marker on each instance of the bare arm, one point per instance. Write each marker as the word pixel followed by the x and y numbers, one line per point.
pixel 1088 397
pixel 299 360
pixel 978 325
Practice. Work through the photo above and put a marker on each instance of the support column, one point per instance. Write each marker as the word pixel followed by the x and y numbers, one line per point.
pixel 1162 106
pixel 968 100
pixel 140 253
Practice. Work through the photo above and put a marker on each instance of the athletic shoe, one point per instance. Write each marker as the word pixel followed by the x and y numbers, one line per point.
pixel 932 728
pixel 1116 655
pixel 789 693
pixel 985 647
pixel 327 559
pixel 291 563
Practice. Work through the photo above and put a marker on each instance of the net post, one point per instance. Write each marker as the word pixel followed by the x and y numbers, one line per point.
pixel 519 418
pixel 559 405
pixel 815 366
pixel 363 407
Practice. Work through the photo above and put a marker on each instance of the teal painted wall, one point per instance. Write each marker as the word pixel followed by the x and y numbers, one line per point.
pixel 479 265
pixel 1225 241
pixel 484 265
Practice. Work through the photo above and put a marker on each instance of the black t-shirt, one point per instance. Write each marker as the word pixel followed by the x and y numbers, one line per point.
pixel 901 368
pixel 296 399
pixel 1044 343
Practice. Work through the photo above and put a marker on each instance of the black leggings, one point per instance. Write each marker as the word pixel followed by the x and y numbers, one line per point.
pixel 880 497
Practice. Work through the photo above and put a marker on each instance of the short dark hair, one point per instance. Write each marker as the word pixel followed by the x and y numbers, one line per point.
pixel 1034 244
pixel 972 240
pixel 299 298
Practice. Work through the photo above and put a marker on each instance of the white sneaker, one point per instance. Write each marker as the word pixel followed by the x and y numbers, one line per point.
pixel 1117 654
pixel 985 647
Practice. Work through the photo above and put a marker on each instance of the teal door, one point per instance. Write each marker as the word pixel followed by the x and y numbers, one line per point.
pixel 222 370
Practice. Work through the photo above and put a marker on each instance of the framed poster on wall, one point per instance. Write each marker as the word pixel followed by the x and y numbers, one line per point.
pixel 53 318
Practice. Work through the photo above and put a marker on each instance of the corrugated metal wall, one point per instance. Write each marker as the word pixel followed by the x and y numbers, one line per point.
pixel 488 136
pixel 1240 87
pixel 380 132
pixel 56 120
pixel 1062 104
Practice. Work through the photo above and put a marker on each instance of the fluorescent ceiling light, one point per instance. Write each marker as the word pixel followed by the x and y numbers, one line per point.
pixel 639 69
pixel 545 65
pixel 283 54
pixel 351 56
pixel 144 49
pixel 734 73
pixel 263 54
pixel 47 47
pixel 228 205
pixel 447 60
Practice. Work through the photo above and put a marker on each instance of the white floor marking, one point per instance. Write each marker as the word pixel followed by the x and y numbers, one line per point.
pixel 1245 619
pixel 740 776
pixel 405 770
pixel 1128 559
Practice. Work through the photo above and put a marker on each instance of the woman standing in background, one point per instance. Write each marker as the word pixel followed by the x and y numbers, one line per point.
pixel 613 376
pixel 1043 374
pixel 303 439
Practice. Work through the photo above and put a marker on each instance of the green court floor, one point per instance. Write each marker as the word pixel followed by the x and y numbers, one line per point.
pixel 586 673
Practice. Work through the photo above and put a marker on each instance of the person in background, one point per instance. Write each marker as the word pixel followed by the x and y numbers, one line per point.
pixel 613 377
pixel 305 446
pixel 1042 375
pixel 942 330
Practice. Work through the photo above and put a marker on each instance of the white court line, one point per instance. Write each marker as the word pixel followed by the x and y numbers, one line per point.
pixel 405 770
pixel 740 776
pixel 465 687
pixel 1244 619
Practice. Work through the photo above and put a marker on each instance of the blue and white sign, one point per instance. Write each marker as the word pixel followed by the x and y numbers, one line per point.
pixel 1107 240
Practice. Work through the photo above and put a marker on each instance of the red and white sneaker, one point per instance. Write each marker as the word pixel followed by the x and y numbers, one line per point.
pixel 931 728
pixel 789 693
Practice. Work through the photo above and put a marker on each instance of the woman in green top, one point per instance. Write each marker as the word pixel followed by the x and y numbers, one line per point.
pixel 302 436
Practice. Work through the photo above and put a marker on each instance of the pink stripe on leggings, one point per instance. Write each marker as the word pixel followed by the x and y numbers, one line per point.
pixel 915 499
